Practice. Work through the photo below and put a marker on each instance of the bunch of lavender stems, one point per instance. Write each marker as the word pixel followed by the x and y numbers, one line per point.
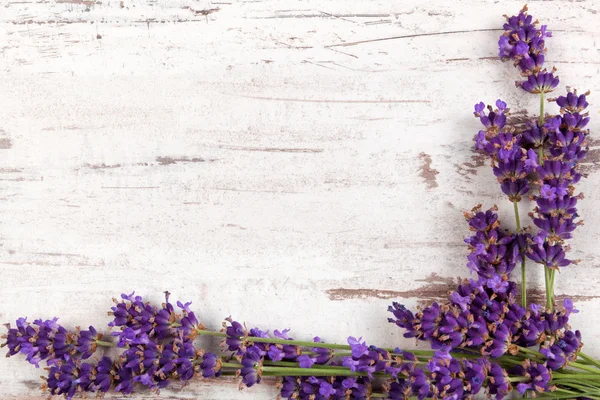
pixel 483 339
pixel 540 159
pixel 158 347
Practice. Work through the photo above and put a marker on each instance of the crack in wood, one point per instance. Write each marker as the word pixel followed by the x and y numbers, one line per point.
pixel 382 101
pixel 175 160
pixel 411 36
pixel 270 149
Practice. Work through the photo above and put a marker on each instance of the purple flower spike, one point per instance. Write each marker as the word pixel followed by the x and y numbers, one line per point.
pixel 305 361
pixel 251 367
pixel 86 343
pixel 572 103
pixel 211 365
pixel 539 377
pixel 69 378
pixel 138 320
pixel 42 340
pixel 404 318
pixel 524 44
pixel 106 370
pixel 555 357
pixel 543 82
pixel 552 256
pixel 235 332
pixel 499 384
pixel 358 348
pixel 189 323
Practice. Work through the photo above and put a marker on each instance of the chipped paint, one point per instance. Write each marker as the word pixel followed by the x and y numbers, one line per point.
pixel 426 172
pixel 436 288
pixel 469 168
pixel 5 143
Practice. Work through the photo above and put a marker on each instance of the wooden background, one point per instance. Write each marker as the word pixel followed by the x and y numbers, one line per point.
pixel 290 163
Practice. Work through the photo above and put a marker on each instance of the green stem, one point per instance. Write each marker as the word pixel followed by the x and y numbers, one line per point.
pixel 102 343
pixel 231 365
pixel 279 341
pixel 301 343
pixel 552 275
pixel 211 333
pixel 591 394
pixel 542 117
pixel 517 219
pixel 549 302
pixel 532 352
pixel 564 396
pixel 523 270
pixel 590 359
pixel 286 371
pixel 585 367
pixel 570 375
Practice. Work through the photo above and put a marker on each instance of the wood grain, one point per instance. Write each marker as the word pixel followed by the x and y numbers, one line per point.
pixel 291 163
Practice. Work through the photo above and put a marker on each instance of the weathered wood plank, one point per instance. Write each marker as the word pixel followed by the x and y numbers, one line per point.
pixel 306 155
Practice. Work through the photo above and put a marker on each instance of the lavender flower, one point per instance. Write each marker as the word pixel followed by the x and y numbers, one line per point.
pixel 86 342
pixel 551 256
pixel 189 323
pixel 323 355
pixel 211 365
pixel 445 376
pixel 139 320
pixel 555 357
pixel 499 383
pixel 539 377
pixel 572 102
pixel 251 367
pixel 524 44
pixel 46 340
pixel 510 160
pixel 68 377
pixel 492 250
pixel 542 82
pixel 106 371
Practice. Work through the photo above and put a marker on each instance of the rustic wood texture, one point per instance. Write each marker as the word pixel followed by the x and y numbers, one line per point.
pixel 291 163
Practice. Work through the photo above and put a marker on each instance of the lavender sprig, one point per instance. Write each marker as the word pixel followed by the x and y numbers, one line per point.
pixel 329 371
pixel 545 155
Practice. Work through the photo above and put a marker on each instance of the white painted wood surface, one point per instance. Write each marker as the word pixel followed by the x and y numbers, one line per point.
pixel 291 163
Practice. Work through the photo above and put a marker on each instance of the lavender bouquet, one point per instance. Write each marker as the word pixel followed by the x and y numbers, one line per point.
pixel 486 338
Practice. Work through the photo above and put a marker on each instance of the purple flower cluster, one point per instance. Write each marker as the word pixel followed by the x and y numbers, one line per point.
pixel 564 142
pixel 539 377
pixel 157 346
pixel 523 43
pixel 493 252
pixel 252 354
pixel 443 377
pixel 511 162
pixel 140 321
pixel 483 314
pixel 70 377
pixel 333 388
pixel 49 341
